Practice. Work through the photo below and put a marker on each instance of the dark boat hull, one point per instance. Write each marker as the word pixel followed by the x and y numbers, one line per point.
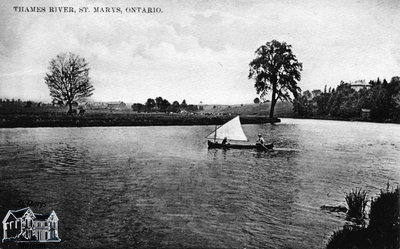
pixel 240 146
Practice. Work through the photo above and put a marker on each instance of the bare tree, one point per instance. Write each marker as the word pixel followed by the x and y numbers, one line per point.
pixel 68 79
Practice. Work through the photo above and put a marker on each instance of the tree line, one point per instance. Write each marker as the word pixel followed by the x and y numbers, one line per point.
pixel 160 104
pixel 380 99
pixel 20 103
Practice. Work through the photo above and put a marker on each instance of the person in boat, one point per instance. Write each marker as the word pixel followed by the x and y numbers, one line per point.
pixel 225 140
pixel 260 139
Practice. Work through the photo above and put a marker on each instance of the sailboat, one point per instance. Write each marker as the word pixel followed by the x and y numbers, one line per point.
pixel 232 130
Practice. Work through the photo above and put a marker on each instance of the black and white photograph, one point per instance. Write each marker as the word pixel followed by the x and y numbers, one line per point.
pixel 200 124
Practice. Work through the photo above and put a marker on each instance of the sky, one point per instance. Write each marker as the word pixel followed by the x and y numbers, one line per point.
pixel 195 50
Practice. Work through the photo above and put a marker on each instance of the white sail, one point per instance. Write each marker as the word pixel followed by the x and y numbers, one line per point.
pixel 231 130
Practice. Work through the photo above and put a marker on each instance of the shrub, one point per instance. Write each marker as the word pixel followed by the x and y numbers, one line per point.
pixel 385 218
pixel 349 237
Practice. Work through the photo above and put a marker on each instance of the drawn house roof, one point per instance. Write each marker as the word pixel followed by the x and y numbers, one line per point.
pixel 16 214
pixel 19 213
pixel 45 217
pixel 42 216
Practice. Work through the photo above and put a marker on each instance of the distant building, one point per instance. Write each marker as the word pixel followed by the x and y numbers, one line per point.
pixel 316 93
pixel 116 105
pixel 96 105
pixel 365 114
pixel 359 84
pixel 24 225
pixel 57 103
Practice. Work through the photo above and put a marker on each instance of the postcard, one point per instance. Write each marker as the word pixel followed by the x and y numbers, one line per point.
pixel 199 124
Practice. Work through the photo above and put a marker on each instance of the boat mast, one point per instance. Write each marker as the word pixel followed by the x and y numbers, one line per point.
pixel 215 133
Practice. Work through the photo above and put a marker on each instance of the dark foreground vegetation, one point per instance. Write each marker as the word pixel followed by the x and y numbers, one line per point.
pixel 383 230
pixel 377 101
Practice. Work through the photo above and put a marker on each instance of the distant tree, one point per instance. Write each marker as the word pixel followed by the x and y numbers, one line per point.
pixel 150 104
pixel 343 102
pixel 381 102
pixel 394 90
pixel 276 69
pixel 322 101
pixel 28 104
pixel 192 108
pixel 256 100
pixel 307 94
pixel 137 107
pixel 68 79
pixel 183 104
pixel 164 105
pixel 302 106
pixel 159 101
pixel 175 106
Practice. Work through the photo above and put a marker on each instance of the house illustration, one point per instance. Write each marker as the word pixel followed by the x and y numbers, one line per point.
pixel 24 225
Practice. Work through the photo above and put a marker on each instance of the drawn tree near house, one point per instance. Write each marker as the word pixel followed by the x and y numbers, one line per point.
pixel 68 79
pixel 276 69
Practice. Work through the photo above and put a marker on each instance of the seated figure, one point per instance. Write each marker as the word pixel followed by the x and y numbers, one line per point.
pixel 260 139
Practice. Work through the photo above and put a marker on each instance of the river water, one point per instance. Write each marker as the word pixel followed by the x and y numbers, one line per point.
pixel 118 187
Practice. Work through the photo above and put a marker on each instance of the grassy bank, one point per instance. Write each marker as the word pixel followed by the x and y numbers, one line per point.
pixel 49 117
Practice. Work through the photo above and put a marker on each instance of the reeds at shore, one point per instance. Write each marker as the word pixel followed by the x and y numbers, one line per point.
pixel 356 201
pixel 383 230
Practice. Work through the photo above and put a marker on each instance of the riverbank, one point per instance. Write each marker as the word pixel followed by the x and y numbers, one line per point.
pixel 354 119
pixel 121 119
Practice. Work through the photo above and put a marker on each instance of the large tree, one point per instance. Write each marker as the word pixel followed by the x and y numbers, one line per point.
pixel 276 69
pixel 68 79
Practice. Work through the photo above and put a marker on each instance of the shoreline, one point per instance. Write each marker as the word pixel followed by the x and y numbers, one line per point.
pixel 108 119
pixel 342 119
pixel 123 119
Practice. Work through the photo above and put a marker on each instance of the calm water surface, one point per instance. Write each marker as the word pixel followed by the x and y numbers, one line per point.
pixel 114 187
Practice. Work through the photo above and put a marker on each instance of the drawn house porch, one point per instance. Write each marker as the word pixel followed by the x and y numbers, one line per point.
pixel 24 225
